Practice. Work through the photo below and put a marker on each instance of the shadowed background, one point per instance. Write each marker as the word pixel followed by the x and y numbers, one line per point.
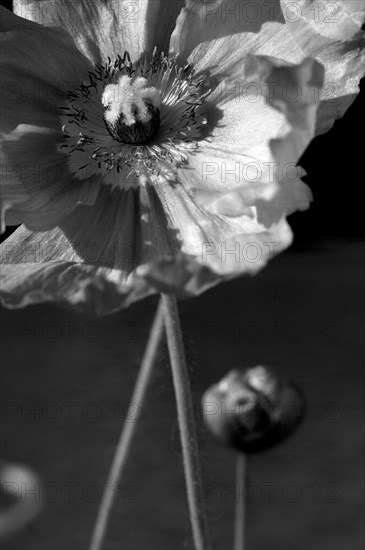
pixel 67 378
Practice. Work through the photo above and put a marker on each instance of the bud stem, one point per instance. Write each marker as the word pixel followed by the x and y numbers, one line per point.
pixel 240 513
pixel 187 425
pixel 128 430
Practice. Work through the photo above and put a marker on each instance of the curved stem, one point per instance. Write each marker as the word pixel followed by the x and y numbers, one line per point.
pixel 188 435
pixel 240 514
pixel 128 431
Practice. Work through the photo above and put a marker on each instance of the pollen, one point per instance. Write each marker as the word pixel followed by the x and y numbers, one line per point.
pixel 132 110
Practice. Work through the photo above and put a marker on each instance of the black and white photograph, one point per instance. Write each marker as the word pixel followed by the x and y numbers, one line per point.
pixel 182 267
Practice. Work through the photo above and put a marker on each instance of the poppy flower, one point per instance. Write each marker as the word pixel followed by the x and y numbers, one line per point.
pixel 152 146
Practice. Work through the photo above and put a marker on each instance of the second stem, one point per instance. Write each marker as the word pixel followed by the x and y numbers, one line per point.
pixel 188 434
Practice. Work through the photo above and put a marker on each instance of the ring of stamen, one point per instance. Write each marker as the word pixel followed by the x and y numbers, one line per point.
pixel 133 120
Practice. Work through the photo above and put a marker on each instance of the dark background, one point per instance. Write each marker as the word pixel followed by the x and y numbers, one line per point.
pixel 303 315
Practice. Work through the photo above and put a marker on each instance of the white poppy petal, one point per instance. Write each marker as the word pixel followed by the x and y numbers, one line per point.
pixel 41 52
pixel 45 267
pixel 91 273
pixel 331 32
pixel 111 233
pixel 217 35
pixel 35 76
pixel 215 241
pixel 254 151
pixel 107 28
pixel 10 21
pixel 36 180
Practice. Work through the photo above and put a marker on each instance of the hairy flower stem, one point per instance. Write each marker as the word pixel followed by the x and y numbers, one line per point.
pixel 129 429
pixel 188 434
pixel 240 513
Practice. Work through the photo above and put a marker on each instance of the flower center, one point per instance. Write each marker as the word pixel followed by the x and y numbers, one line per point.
pixel 132 110
pixel 134 122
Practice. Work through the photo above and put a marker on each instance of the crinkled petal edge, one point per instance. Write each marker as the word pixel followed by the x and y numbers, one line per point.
pixel 91 289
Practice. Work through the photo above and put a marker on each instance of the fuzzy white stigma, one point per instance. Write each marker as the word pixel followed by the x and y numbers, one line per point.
pixel 129 100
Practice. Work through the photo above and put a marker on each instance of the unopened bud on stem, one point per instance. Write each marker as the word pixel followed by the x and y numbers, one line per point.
pixel 253 409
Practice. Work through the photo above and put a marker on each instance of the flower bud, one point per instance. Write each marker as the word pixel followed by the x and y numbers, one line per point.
pixel 252 409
